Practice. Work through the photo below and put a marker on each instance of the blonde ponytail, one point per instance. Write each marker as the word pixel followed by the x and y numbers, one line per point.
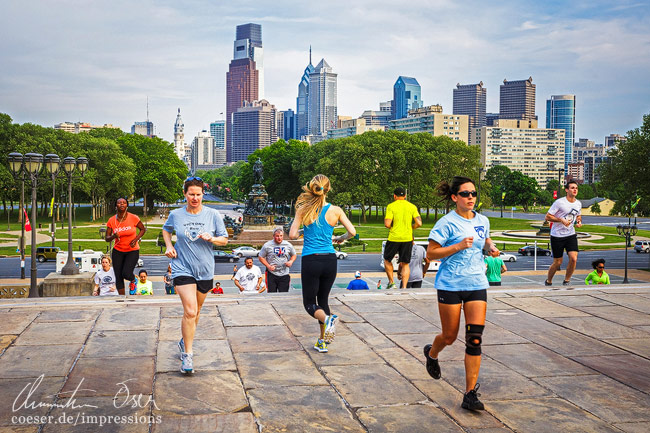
pixel 312 200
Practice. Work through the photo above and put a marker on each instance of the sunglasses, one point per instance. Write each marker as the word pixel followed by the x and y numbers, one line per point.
pixel 466 194
pixel 193 178
pixel 600 267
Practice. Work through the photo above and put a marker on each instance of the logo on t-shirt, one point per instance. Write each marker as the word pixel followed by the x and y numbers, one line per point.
pixel 249 277
pixel 480 231
pixel 571 216
pixel 279 251
pixel 192 234
pixel 107 279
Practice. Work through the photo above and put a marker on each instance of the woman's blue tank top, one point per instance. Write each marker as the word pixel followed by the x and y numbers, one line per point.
pixel 318 235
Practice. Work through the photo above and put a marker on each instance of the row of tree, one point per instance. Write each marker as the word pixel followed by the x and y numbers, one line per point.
pixel 119 165
pixel 364 170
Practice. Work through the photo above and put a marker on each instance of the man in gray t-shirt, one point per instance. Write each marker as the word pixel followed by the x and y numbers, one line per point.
pixel 278 255
pixel 418 264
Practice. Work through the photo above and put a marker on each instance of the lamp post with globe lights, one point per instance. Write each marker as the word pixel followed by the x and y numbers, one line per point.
pixel 16 165
pixel 628 231
pixel 69 165
pixel 53 162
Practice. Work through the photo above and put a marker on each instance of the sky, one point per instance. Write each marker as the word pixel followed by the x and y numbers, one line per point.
pixel 99 61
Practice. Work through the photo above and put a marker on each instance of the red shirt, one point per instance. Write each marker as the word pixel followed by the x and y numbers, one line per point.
pixel 127 231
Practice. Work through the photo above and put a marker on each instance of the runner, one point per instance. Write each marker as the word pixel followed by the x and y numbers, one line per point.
pixel 564 214
pixel 494 267
pixel 458 239
pixel 105 279
pixel 127 230
pixel 402 218
pixel 278 256
pixel 318 257
pixel 197 229
pixel 597 276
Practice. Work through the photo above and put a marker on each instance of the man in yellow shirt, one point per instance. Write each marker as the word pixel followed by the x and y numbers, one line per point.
pixel 402 217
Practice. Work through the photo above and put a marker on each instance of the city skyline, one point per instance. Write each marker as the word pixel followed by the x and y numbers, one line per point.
pixel 101 63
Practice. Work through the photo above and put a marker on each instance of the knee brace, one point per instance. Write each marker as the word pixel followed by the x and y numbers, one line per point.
pixel 311 308
pixel 473 339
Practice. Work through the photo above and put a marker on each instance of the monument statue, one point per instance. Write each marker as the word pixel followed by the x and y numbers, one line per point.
pixel 258 172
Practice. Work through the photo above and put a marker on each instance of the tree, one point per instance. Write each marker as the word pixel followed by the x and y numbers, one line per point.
pixel 520 190
pixel 159 174
pixel 595 208
pixel 497 176
pixel 629 168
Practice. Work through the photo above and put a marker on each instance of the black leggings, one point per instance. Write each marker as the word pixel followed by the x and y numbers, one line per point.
pixel 123 266
pixel 317 276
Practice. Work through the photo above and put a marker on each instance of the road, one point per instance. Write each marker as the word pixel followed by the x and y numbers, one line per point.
pixel 157 265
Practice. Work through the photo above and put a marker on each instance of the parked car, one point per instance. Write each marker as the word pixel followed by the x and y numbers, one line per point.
pixel 222 256
pixel 507 257
pixel 642 246
pixel 45 253
pixel 529 250
pixel 341 255
pixel 246 252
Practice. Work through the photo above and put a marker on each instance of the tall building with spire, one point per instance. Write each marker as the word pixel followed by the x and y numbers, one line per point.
pixel 302 101
pixel 322 100
pixel 245 75
pixel 406 96
pixel 179 136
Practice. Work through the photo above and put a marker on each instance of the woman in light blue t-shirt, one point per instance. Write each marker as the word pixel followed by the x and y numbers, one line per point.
pixel 197 229
pixel 458 239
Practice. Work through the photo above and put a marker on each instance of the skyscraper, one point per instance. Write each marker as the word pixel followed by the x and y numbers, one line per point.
pixel 287 127
pixel 254 127
pixel 203 152
pixel 470 99
pixel 561 114
pixel 249 45
pixel 517 100
pixel 302 101
pixel 179 136
pixel 218 132
pixel 143 128
pixel 322 100
pixel 243 76
pixel 406 96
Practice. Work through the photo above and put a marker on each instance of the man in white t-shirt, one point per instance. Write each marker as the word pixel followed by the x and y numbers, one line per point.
pixel 565 216
pixel 248 279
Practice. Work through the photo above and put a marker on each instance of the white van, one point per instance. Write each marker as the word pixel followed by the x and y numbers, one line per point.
pixel 433 264
pixel 86 260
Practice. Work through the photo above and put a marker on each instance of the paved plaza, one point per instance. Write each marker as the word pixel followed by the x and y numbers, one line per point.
pixel 557 360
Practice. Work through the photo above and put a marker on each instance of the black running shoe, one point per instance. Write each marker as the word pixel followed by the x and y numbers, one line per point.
pixel 566 283
pixel 546 283
pixel 471 401
pixel 433 368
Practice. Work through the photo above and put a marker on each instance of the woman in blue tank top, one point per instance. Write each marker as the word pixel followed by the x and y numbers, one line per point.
pixel 318 257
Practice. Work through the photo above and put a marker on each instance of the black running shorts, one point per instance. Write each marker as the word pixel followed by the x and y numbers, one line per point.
pixel 461 296
pixel 203 286
pixel 568 243
pixel 402 249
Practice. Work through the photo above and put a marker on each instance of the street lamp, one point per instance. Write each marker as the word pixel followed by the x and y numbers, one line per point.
pixel 33 163
pixel 478 200
pixel 628 231
pixel 69 164
pixel 16 165
pixel 503 193
pixel 52 163
pixel 560 186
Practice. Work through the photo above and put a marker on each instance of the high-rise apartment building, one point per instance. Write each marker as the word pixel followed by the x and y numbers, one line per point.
pixel 612 140
pixel 535 152
pixel 179 136
pixel 243 76
pixel 322 100
pixel 302 102
pixel 254 127
pixel 386 106
pixel 517 99
pixel 143 128
pixel 203 152
pixel 377 118
pixel 431 119
pixel 406 96
pixel 561 114
pixel 218 132
pixel 350 127
pixel 471 99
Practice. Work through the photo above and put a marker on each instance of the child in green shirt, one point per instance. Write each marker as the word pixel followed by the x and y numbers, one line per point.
pixel 144 286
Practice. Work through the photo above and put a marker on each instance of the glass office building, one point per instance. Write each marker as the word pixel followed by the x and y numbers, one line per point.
pixel 561 114
pixel 407 96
